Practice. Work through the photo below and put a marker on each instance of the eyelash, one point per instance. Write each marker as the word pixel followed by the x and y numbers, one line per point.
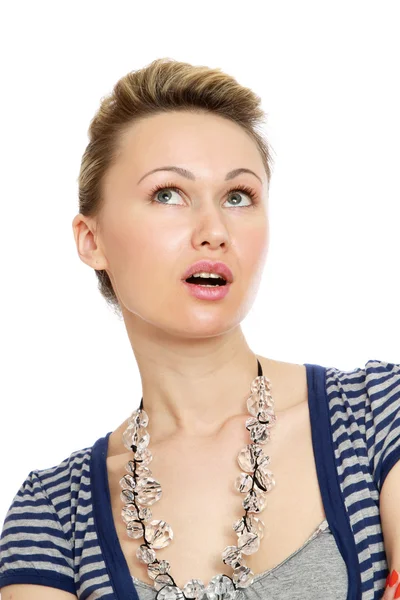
pixel 240 188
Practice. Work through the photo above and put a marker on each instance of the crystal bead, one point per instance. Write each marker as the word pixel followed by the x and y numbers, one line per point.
pixel 127 496
pixel 170 592
pixel 247 457
pixel 130 467
pixel 148 490
pixel 221 587
pixel 194 588
pixel 267 417
pixel 162 580
pixel 250 523
pixel 255 404
pixel 127 438
pixel 158 568
pixel 239 525
pixel 263 481
pixel 255 525
pixel 145 513
pixel 143 471
pixel 134 529
pixel 254 502
pixel 243 576
pixel 139 418
pixel 140 470
pixel 232 556
pixel 141 439
pixel 260 383
pixel 131 426
pixel 129 513
pixel 158 534
pixel 248 542
pixel 243 482
pixel 141 458
pixel 145 555
pixel 136 437
pixel 263 463
pixel 127 481
pixel 259 404
pixel 259 433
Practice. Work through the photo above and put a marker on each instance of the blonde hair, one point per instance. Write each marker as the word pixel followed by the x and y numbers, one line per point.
pixel 163 85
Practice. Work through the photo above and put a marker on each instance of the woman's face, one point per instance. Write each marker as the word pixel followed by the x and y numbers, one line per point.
pixel 148 243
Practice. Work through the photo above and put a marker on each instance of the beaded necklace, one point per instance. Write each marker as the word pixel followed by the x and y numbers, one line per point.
pixel 140 490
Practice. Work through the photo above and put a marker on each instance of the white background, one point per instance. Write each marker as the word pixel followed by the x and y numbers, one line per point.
pixel 328 75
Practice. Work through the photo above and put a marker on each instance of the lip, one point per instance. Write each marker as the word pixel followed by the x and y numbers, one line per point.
pixel 208 266
pixel 207 293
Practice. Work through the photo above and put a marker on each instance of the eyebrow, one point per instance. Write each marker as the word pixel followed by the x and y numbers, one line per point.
pixel 190 175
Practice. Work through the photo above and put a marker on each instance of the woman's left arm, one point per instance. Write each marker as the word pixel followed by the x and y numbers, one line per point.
pixel 389 506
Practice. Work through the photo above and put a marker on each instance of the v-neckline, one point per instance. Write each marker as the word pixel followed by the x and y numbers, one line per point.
pixel 113 556
pixel 260 576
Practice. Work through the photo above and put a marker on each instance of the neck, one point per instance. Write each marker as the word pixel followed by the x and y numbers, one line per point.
pixel 192 389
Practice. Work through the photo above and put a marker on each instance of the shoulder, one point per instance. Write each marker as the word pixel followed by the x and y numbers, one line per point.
pixel 70 470
pixel 59 485
pixel 372 382
pixel 38 533
pixel 364 408
pixel 50 493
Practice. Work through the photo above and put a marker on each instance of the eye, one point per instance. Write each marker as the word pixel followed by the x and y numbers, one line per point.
pixel 247 190
pixel 166 190
pixel 153 195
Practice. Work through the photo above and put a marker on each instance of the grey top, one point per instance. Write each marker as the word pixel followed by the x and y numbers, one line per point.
pixel 313 571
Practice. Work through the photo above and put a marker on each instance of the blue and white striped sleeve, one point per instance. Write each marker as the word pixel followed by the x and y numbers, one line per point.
pixel 382 420
pixel 34 548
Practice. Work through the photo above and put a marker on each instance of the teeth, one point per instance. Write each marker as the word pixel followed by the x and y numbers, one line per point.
pixel 204 274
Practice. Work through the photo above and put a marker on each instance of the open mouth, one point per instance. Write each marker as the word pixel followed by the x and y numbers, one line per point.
pixel 206 281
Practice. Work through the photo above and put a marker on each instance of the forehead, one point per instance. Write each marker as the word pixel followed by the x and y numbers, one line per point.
pixel 208 144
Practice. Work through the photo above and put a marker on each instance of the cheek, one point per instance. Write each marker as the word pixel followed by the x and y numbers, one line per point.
pixel 142 254
pixel 253 247
pixel 124 247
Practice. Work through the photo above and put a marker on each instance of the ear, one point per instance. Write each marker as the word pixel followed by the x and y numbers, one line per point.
pixel 85 239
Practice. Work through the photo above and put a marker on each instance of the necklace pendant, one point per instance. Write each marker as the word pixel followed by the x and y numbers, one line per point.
pixel 164 580
pixel 249 523
pixel 254 502
pixel 170 592
pixel 159 567
pixel 145 554
pixel 148 491
pixel 248 457
pixel 158 534
pixel 259 432
pixel 195 589
pixel 221 587
pixel 243 576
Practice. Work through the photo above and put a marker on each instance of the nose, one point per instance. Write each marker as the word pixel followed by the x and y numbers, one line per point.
pixel 210 226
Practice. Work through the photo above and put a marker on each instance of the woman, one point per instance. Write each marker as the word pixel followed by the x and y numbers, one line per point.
pixel 173 217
